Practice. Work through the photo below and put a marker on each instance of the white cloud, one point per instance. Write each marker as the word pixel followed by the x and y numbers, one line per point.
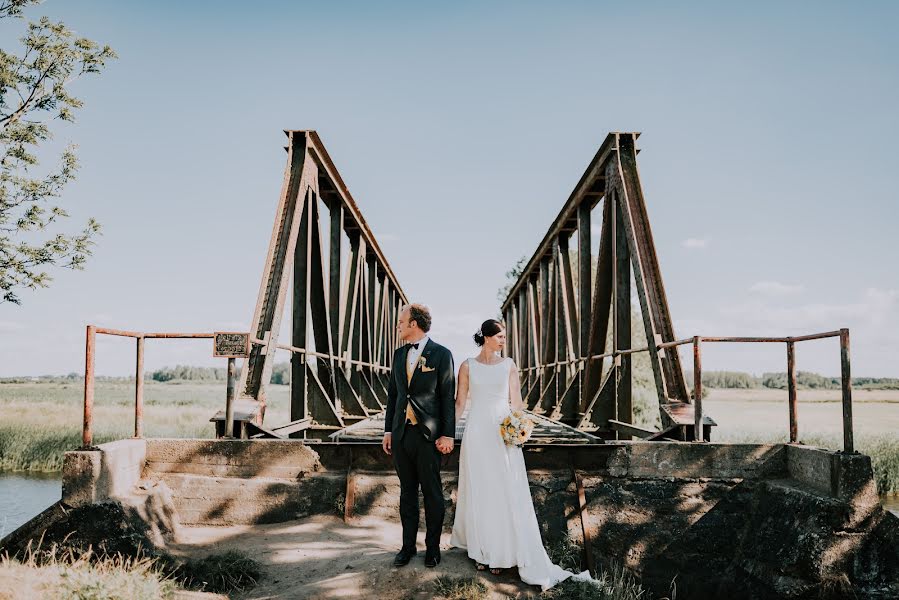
pixel 695 243
pixel 774 288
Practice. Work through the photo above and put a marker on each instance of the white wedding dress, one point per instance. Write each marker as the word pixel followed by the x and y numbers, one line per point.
pixel 495 518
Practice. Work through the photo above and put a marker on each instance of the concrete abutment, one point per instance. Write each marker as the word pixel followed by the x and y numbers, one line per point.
pixel 736 520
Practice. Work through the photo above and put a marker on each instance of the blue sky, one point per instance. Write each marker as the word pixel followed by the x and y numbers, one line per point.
pixel 769 161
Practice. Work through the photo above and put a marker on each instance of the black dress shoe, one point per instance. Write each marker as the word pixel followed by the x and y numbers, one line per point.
pixel 403 557
pixel 432 559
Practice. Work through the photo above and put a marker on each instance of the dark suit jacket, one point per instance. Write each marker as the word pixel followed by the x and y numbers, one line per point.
pixel 432 393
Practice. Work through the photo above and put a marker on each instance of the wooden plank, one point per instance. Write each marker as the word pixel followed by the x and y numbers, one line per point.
pixel 256 432
pixel 292 427
pixel 545 431
pixel 682 414
pixel 629 429
pixel 244 410
pixel 668 434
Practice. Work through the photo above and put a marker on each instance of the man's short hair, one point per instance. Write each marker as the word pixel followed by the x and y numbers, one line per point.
pixel 421 315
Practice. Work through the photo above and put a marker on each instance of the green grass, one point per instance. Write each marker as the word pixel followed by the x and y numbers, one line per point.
pixel 565 553
pixel 226 572
pixel 43 420
pixel 613 583
pixel 460 588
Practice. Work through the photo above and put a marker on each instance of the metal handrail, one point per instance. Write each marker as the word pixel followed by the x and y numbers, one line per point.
pixel 790 341
pixel 89 378
pixel 696 341
pixel 87 433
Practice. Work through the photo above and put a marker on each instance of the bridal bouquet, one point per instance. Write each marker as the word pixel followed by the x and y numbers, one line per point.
pixel 516 429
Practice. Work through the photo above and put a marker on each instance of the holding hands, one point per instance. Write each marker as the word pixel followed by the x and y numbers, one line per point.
pixel 444 444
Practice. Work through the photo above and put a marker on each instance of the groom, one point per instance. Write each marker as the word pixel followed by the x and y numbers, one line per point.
pixel 419 426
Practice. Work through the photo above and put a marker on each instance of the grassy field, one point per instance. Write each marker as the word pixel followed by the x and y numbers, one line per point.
pixel 42 420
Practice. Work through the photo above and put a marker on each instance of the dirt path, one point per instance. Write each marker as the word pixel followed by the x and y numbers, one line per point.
pixel 323 557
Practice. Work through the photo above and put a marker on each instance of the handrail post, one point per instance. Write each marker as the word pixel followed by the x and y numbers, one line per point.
pixel 87 434
pixel 697 389
pixel 845 376
pixel 229 400
pixel 139 390
pixel 791 391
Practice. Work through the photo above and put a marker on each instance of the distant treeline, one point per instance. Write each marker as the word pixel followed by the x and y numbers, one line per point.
pixel 280 374
pixel 778 381
pixel 710 379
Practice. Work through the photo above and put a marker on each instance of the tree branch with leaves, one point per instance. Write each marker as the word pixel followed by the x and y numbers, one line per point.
pixel 34 91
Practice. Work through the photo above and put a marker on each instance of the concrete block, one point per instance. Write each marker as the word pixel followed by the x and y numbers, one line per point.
pixel 110 471
pixel 846 477
pixel 233 458
pixel 697 461
pixel 811 466
pixel 80 477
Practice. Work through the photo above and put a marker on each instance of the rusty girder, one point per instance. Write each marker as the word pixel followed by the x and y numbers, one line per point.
pixel 558 330
pixel 338 373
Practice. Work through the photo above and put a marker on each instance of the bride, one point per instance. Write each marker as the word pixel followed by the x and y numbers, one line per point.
pixel 495 519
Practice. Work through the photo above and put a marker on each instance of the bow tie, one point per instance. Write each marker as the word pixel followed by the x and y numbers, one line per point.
pixel 413 346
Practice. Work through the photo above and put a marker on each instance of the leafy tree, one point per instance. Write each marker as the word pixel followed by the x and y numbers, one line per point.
pixel 511 277
pixel 33 92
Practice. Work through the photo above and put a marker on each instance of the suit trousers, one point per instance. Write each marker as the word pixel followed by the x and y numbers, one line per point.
pixel 417 463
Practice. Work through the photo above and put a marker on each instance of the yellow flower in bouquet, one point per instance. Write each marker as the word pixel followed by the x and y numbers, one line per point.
pixel 516 429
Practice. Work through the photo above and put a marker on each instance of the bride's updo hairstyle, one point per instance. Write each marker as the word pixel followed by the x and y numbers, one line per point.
pixel 489 328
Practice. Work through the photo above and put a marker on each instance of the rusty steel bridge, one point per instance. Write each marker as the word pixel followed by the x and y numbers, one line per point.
pixel 568 319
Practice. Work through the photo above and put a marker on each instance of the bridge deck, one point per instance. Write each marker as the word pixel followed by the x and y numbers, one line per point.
pixel 545 431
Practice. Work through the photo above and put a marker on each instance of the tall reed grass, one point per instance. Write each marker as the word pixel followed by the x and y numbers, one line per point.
pixel 41 421
pixel 83 577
